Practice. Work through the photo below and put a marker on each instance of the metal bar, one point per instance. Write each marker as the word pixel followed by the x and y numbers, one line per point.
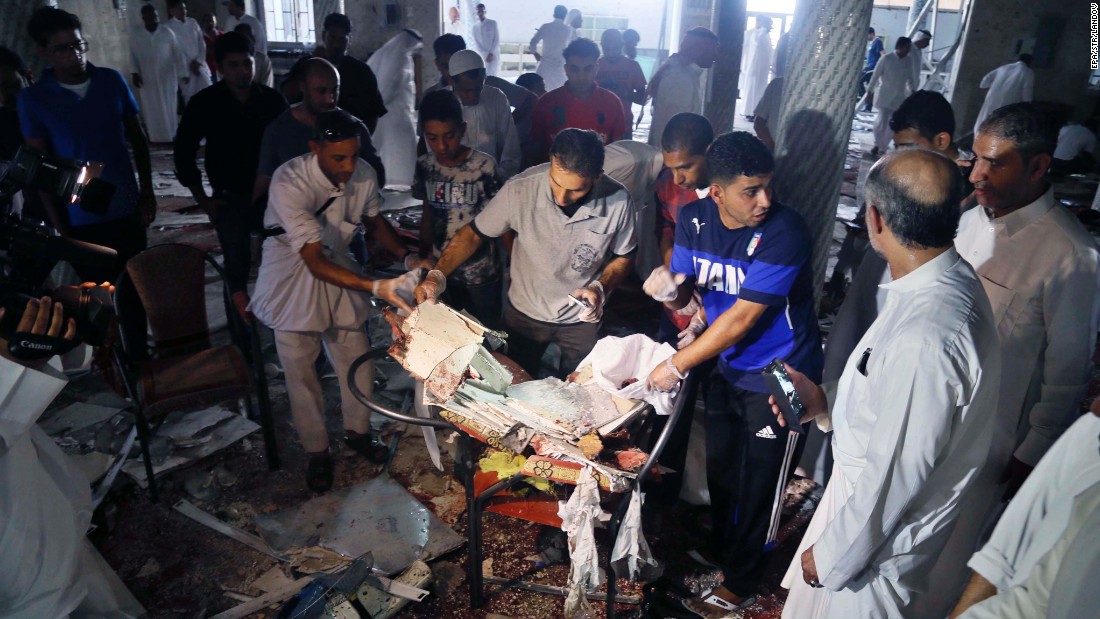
pixel 562 591
pixel 186 508
pixel 267 421
pixel 473 533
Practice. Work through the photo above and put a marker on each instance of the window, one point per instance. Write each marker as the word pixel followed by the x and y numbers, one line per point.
pixel 290 21
pixel 593 25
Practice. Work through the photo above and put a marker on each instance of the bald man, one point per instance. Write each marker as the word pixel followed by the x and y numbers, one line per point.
pixel 923 382
pixel 288 137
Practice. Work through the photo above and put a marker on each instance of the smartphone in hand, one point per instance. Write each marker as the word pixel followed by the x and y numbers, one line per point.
pixel 782 388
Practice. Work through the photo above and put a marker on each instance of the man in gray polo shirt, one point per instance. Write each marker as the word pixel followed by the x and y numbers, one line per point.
pixel 575 236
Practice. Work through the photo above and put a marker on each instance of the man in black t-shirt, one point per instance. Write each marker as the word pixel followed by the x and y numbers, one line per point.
pixel 359 93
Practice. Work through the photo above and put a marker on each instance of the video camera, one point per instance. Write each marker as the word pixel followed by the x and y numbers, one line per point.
pixel 30 251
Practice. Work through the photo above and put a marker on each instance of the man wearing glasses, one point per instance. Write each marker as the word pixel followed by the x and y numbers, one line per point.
pixel 80 111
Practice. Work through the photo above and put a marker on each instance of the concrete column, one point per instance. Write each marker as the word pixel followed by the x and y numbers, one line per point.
pixel 815 118
pixel 722 103
pixel 916 15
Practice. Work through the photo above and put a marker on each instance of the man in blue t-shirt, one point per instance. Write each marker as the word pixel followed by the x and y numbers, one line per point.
pixel 750 259
pixel 80 111
pixel 874 53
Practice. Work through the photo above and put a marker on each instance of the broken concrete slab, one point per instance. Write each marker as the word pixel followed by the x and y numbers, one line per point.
pixel 379 516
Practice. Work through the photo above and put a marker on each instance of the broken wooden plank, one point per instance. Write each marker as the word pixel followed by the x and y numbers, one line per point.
pixel 283 593
pixel 186 508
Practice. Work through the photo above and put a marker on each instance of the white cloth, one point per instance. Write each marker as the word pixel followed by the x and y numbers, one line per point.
pixel 909 438
pixel 263 73
pixel 258 30
pixel 49 570
pixel 756 63
pixel 1040 270
pixel 617 359
pixel 916 62
pixel 395 135
pixel 880 130
pixel 193 47
pixel 1028 548
pixel 1010 83
pixel 676 87
pixel 555 36
pixel 157 58
pixel 636 165
pixel 490 129
pixel 288 297
pixel 486 42
pixel 892 81
pixel 1073 140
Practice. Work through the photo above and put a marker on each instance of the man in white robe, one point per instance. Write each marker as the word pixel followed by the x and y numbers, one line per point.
pixel 1007 84
pixel 555 35
pixel 192 46
pixel 891 83
pixel 489 125
pixel 756 63
pixel 237 15
pixel 158 65
pixel 487 41
pixel 49 569
pixel 1041 559
pixel 678 85
pixel 912 417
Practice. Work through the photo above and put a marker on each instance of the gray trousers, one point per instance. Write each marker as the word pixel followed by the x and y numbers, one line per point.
pixel 528 339
pixel 298 352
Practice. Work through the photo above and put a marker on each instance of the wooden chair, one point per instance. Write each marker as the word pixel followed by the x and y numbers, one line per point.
pixel 184 371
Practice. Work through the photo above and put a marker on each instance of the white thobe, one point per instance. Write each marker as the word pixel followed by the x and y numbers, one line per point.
pixel 1046 537
pixel 910 437
pixel 49 568
pixel 892 81
pixel 636 165
pixel 486 43
pixel 157 58
pixel 258 31
pixel 1010 83
pixel 916 62
pixel 288 296
pixel 490 129
pixel 1073 140
pixel 554 36
pixel 677 87
pixel 395 134
pixel 756 63
pixel 193 47
pixel 1041 271
pixel 263 73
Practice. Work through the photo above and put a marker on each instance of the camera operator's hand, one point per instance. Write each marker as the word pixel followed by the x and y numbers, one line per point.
pixel 147 206
pixel 41 317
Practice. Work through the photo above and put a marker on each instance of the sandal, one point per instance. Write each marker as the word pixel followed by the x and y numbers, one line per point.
pixel 367 445
pixel 717 603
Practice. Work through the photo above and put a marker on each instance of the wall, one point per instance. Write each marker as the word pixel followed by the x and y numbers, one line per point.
pixel 996 26
pixel 370 31
pixel 106 28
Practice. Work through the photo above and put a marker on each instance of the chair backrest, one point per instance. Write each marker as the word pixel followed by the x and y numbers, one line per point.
pixel 170 281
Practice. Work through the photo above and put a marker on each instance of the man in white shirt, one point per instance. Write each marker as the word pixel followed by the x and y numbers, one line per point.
pixel 756 64
pixel 1041 559
pixel 1076 141
pixel 555 35
pixel 1007 84
pixel 238 16
pixel 487 41
pixel 489 125
pixel 677 86
pixel 1040 269
pixel 193 47
pixel 159 68
pixel 921 40
pixel 890 84
pixel 912 417
pixel 309 290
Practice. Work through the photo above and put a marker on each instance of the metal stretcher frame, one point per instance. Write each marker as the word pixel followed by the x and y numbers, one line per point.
pixel 475 505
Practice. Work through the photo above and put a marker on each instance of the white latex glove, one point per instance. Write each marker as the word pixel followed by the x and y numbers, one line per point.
pixel 435 282
pixel 694 328
pixel 693 306
pixel 593 295
pixel 662 284
pixel 665 377
pixel 397 291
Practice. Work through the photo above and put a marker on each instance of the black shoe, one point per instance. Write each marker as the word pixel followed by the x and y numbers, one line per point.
pixel 319 473
pixel 368 445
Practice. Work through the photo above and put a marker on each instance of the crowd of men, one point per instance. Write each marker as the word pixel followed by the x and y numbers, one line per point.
pixel 958 361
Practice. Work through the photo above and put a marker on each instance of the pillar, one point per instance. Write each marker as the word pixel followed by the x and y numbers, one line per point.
pixel 731 24
pixel 815 118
